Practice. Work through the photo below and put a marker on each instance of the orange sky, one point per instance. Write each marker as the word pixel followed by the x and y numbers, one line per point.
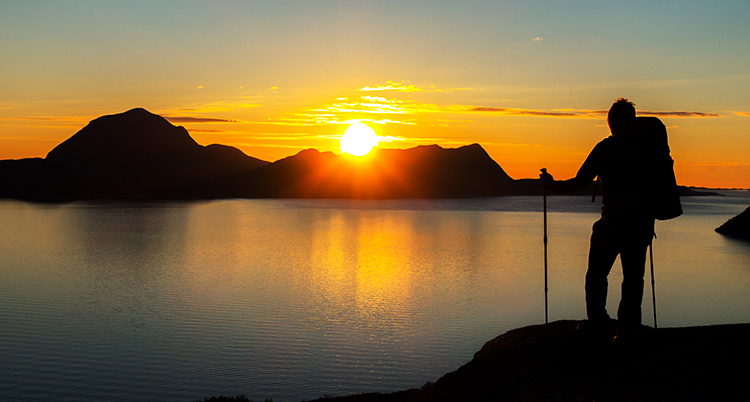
pixel 530 83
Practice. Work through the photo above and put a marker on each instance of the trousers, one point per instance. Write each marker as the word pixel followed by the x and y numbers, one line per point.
pixel 628 237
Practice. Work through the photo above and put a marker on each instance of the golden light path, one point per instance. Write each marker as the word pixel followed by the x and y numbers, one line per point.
pixel 358 140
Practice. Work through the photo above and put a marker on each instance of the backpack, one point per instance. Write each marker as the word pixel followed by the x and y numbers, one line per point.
pixel 663 197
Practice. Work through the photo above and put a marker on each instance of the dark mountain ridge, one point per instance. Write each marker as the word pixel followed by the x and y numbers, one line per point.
pixel 132 155
pixel 137 155
pixel 421 172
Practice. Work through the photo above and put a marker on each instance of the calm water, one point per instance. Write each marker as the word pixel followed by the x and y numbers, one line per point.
pixel 292 300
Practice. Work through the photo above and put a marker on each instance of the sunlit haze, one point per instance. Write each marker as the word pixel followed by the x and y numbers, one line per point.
pixel 529 81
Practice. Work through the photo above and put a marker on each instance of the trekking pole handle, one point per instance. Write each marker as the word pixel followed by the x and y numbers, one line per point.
pixel 596 190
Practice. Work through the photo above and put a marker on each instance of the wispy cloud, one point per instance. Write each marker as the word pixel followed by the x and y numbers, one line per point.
pixel 217 107
pixel 47 119
pixel 344 109
pixel 194 119
pixel 746 114
pixel 713 163
pixel 527 112
pixel 537 39
pixel 586 113
pixel 282 137
pixel 392 86
pixel 678 113
pixel 401 87
pixel 378 108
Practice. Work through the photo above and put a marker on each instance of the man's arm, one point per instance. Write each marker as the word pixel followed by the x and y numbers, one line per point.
pixel 586 174
pixel 573 185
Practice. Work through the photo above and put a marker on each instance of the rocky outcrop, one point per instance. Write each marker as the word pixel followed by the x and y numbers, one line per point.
pixel 739 226
pixel 559 363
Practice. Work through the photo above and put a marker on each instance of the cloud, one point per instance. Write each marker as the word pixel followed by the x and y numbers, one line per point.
pixel 48 121
pixel 400 87
pixel 746 114
pixel 392 86
pixel 678 114
pixel 715 166
pixel 371 105
pixel 193 119
pixel 282 137
pixel 376 108
pixel 585 113
pixel 219 107
pixel 373 121
pixel 537 39
pixel 526 112
pixel 58 119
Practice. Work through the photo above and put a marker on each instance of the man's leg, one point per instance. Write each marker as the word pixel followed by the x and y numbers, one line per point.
pixel 633 268
pixel 602 254
pixel 633 258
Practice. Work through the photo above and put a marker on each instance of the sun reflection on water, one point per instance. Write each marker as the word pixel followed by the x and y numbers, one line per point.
pixel 364 263
pixel 383 266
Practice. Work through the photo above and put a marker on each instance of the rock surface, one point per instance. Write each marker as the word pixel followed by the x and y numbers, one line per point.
pixel 739 226
pixel 559 363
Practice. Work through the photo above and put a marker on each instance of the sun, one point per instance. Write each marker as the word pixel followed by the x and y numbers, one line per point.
pixel 358 140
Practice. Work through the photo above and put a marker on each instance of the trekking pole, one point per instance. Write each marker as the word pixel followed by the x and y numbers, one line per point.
pixel 544 196
pixel 653 290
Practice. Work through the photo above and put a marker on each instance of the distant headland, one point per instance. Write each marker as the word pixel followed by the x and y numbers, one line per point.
pixel 137 155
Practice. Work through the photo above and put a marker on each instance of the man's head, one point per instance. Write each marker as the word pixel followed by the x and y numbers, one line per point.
pixel 620 115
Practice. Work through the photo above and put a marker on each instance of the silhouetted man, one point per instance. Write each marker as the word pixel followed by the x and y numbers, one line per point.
pixel 627 223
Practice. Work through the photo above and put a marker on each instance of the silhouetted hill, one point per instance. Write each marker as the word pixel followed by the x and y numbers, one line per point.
pixel 132 155
pixel 140 155
pixel 421 172
pixel 738 226
pixel 559 363
pixel 696 191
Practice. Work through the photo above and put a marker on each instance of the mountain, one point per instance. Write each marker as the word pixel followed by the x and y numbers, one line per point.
pixel 131 155
pixel 421 172
pixel 137 155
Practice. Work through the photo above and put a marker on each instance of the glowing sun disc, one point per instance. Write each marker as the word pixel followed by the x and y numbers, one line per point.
pixel 358 140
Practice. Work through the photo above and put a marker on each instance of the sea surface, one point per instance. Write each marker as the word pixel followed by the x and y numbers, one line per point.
pixel 297 299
